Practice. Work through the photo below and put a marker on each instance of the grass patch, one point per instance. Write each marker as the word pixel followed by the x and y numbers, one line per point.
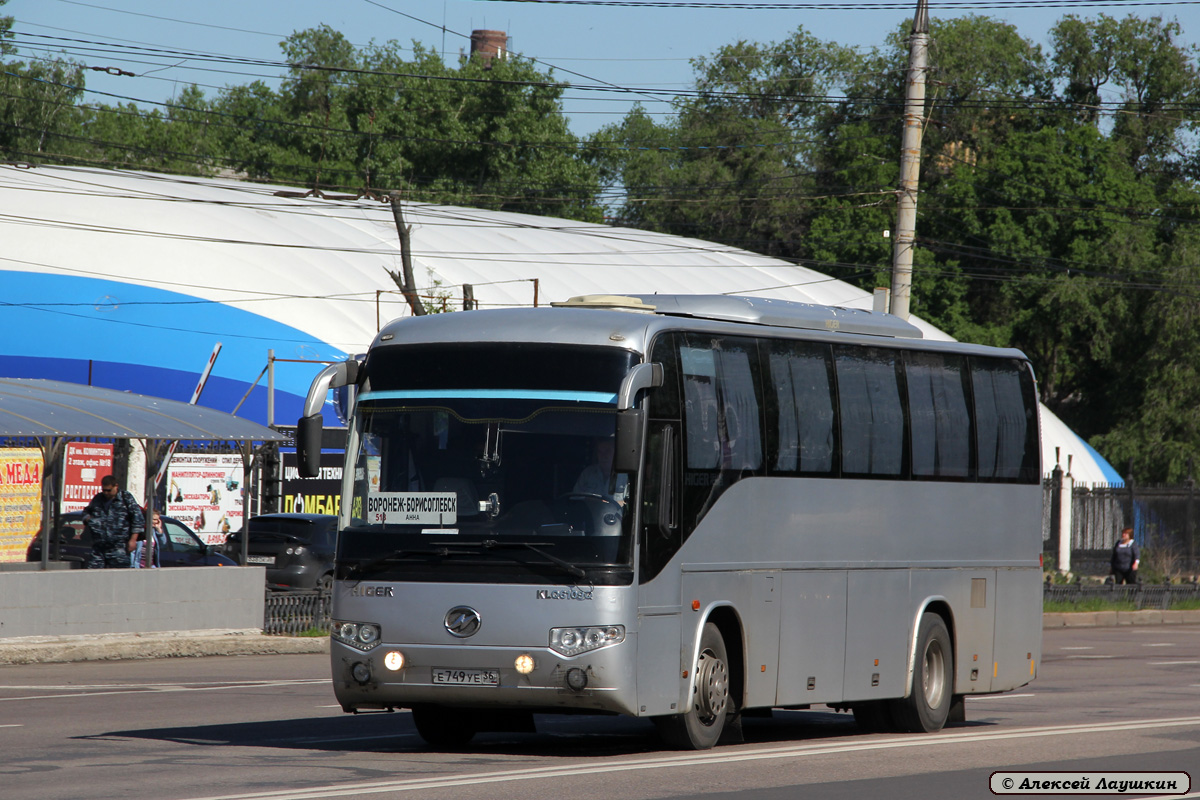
pixel 314 633
pixel 1088 604
pixel 1186 605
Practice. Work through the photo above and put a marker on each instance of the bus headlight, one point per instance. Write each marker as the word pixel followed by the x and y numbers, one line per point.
pixel 394 660
pixel 524 664
pixel 573 641
pixel 360 635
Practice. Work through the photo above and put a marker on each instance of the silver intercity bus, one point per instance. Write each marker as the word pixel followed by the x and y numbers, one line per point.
pixel 684 508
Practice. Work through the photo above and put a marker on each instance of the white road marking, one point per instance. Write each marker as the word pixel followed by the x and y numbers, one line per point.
pixel 1158 644
pixel 1077 648
pixel 1171 663
pixel 575 771
pixel 974 699
pixel 1092 657
pixel 13 725
pixel 95 690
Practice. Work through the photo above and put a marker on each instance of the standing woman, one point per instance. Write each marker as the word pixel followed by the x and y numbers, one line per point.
pixel 1125 558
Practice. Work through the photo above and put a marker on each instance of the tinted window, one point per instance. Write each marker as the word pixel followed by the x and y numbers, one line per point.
pixel 1006 428
pixel 723 427
pixel 872 418
pixel 664 400
pixel 498 365
pixel 722 420
pixel 938 416
pixel 801 404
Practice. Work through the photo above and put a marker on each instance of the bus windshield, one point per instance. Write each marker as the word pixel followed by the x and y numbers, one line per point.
pixel 500 488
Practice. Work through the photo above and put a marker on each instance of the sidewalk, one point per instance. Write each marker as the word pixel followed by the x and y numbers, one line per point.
pixel 177 644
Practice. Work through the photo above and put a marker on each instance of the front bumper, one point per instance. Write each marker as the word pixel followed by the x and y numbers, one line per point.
pixel 608 674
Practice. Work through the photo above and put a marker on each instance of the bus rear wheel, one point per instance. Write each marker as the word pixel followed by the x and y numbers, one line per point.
pixel 927 706
pixel 443 727
pixel 712 705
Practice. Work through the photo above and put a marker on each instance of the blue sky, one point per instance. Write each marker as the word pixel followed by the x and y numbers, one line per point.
pixel 647 47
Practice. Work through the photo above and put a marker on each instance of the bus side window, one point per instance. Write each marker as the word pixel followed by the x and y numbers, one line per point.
pixel 870 411
pixel 801 403
pixel 722 420
pixel 1005 426
pixel 940 425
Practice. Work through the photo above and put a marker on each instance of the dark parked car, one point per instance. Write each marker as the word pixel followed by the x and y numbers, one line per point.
pixel 296 549
pixel 73 542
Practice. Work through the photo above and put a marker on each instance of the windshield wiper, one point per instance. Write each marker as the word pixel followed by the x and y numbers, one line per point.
pixel 494 544
pixel 395 555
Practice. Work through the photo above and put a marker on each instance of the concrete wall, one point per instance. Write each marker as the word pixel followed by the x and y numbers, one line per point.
pixel 80 602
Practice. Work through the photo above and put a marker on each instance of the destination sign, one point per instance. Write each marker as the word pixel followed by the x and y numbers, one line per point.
pixel 412 508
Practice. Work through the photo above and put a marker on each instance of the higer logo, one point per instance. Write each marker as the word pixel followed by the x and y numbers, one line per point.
pixel 371 591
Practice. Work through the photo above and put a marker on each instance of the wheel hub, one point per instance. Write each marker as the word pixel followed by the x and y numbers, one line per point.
pixel 712 687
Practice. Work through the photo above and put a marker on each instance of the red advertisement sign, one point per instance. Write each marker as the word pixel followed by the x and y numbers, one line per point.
pixel 84 465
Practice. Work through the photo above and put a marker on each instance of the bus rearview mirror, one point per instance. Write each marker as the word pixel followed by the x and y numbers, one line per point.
pixel 309 432
pixel 631 423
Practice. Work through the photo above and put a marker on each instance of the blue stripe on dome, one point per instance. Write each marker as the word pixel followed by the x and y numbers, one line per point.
pixel 138 338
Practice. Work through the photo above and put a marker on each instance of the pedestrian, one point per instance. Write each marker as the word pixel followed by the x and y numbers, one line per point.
pixel 113 518
pixel 137 547
pixel 1125 558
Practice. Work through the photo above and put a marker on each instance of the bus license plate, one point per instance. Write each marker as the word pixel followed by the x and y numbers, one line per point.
pixel 467 677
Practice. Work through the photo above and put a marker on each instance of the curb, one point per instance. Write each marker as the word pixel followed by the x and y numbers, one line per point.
pixel 175 644
pixel 1106 619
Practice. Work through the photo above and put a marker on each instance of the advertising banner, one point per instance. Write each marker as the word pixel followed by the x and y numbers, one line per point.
pixel 84 464
pixel 319 495
pixel 204 492
pixel 20 500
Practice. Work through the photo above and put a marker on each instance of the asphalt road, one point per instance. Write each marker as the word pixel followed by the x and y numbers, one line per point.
pixel 267 728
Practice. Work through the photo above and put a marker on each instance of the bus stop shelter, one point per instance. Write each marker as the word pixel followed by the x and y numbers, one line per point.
pixel 55 412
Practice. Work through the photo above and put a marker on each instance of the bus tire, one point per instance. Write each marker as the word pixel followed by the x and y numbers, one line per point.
pixel 712 705
pixel 443 727
pixel 927 706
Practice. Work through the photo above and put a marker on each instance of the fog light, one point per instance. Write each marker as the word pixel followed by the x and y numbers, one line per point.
pixel 524 664
pixel 361 672
pixel 576 679
pixel 394 660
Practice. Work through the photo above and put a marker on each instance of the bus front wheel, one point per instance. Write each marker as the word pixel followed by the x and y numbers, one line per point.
pixel 927 706
pixel 701 726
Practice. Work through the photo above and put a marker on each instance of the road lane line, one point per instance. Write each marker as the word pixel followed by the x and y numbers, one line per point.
pixel 574 771
pixel 1171 663
pixel 1090 657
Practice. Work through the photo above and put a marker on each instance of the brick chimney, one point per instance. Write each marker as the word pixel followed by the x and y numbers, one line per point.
pixel 489 45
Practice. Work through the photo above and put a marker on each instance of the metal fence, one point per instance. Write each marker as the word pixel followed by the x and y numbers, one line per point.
pixel 1164 521
pixel 296 612
pixel 1143 596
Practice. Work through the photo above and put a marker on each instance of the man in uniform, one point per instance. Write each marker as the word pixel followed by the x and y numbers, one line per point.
pixel 113 518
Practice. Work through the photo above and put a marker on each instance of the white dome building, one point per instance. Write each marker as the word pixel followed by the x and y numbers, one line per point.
pixel 128 280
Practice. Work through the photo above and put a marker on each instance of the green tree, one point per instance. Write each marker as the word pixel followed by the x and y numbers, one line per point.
pixel 36 102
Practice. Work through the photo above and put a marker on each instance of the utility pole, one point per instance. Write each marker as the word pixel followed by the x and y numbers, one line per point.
pixel 910 162
pixel 406 283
